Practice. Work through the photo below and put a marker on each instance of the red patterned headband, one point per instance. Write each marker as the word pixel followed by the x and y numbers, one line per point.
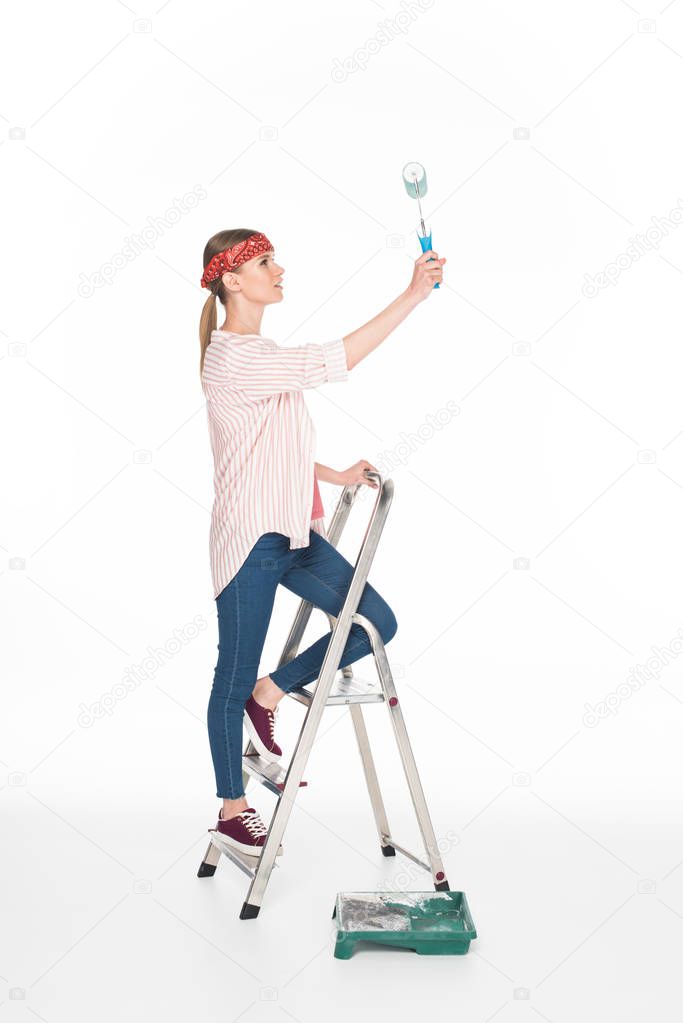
pixel 233 257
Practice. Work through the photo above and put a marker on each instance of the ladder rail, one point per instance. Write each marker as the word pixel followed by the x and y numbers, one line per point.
pixel 327 675
pixel 405 750
pixel 370 772
pixel 303 613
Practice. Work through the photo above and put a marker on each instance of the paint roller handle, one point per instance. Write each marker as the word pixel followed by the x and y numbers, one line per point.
pixel 426 245
pixel 424 275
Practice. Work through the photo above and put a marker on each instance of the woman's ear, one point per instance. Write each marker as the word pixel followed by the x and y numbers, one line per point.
pixel 231 282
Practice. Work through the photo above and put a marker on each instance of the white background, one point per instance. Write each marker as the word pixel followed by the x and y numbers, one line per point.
pixel 551 137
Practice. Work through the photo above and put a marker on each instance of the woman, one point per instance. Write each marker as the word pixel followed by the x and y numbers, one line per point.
pixel 267 525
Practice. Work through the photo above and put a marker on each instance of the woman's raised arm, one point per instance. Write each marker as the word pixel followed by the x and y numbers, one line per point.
pixel 364 340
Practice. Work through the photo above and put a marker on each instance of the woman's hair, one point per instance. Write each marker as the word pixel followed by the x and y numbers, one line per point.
pixel 209 319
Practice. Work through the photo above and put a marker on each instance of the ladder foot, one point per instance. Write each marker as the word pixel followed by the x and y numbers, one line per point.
pixel 248 911
pixel 206 870
pixel 388 850
pixel 441 886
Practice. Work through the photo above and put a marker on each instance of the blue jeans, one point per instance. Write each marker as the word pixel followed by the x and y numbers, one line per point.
pixel 319 574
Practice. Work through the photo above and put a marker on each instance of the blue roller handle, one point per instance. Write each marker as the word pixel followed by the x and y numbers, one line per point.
pixel 426 243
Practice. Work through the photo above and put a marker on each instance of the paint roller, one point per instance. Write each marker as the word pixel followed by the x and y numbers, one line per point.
pixel 415 182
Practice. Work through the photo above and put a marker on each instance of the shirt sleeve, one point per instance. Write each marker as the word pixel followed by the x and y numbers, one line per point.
pixel 260 367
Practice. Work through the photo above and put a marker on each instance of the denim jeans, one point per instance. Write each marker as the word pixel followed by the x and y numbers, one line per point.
pixel 319 574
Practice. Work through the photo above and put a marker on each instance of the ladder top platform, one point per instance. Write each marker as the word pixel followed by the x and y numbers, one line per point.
pixel 344 690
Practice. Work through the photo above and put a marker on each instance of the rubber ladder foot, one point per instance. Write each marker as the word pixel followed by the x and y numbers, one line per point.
pixel 206 870
pixel 442 886
pixel 388 850
pixel 249 912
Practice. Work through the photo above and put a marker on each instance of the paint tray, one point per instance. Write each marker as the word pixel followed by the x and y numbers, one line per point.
pixel 429 923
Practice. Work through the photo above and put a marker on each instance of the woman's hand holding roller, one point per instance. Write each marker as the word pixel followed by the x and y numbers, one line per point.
pixel 426 274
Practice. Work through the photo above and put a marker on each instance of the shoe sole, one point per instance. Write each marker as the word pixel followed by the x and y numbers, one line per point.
pixel 249 850
pixel 272 758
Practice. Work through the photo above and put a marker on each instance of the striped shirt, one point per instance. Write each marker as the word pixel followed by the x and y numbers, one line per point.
pixel 263 442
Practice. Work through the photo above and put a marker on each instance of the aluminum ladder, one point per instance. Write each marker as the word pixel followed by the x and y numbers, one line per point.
pixel 329 691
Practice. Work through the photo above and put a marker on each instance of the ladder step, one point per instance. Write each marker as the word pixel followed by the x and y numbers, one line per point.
pixel 344 690
pixel 269 774
pixel 244 861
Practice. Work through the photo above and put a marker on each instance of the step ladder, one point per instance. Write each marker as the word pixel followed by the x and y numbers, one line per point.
pixel 332 688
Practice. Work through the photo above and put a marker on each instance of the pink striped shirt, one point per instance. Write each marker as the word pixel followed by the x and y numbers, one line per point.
pixel 263 442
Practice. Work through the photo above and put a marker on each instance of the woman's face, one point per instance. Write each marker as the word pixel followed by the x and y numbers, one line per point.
pixel 260 279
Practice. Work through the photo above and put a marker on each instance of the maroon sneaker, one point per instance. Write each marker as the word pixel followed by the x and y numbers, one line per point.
pixel 245 832
pixel 260 724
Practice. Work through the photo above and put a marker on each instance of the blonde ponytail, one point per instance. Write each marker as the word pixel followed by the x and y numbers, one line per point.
pixel 207 323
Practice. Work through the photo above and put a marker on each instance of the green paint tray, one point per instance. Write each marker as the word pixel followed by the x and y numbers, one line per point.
pixel 429 923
